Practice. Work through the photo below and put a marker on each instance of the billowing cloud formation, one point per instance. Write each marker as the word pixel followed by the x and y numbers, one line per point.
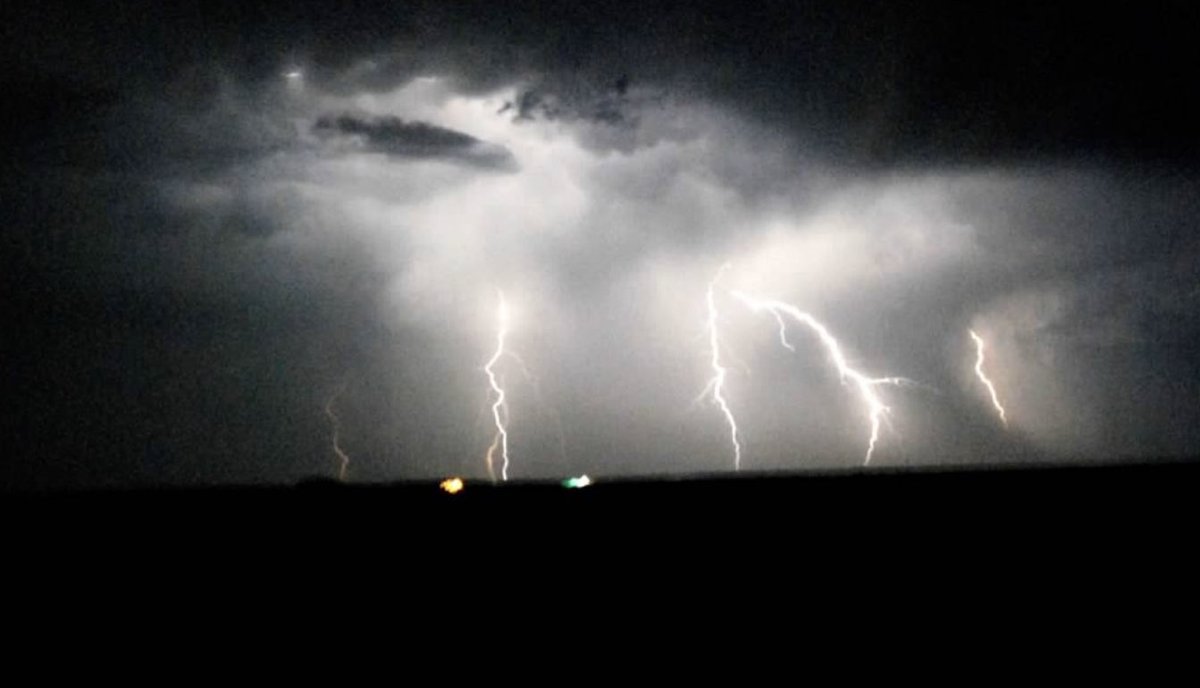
pixel 214 255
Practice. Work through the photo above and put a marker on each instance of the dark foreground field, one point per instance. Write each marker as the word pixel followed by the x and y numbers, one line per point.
pixel 959 508
pixel 999 550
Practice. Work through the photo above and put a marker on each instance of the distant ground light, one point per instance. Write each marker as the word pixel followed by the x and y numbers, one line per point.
pixel 451 485
pixel 581 481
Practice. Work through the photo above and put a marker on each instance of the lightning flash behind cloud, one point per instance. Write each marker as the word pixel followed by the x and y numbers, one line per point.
pixel 716 384
pixel 984 378
pixel 876 409
pixel 499 407
pixel 335 425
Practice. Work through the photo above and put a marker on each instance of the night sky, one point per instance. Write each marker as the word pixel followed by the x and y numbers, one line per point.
pixel 215 218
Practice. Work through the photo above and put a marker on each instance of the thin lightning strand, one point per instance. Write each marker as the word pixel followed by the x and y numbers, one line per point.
pixel 499 408
pixel 984 378
pixel 783 331
pixel 716 383
pixel 876 409
pixel 335 424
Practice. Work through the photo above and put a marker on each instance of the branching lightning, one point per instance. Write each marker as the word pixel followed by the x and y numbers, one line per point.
pixel 499 407
pixel 876 409
pixel 984 378
pixel 783 331
pixel 335 425
pixel 716 384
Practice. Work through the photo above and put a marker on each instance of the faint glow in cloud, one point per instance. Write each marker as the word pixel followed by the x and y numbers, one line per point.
pixel 294 78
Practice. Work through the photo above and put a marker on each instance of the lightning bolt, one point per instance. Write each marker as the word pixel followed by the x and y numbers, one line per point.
pixel 984 378
pixel 335 426
pixel 876 409
pixel 783 331
pixel 716 384
pixel 499 407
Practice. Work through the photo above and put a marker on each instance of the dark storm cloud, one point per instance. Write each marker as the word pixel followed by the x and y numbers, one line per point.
pixel 865 83
pixel 608 107
pixel 395 137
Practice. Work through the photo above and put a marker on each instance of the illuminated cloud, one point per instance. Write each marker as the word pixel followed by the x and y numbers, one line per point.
pixel 240 241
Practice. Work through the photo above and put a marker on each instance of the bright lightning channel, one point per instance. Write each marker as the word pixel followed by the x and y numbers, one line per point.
pixel 499 407
pixel 716 384
pixel 984 378
pixel 876 409
pixel 335 425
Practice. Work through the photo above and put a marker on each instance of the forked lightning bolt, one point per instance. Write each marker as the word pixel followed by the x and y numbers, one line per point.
pixel 335 424
pixel 876 409
pixel 716 384
pixel 984 378
pixel 499 407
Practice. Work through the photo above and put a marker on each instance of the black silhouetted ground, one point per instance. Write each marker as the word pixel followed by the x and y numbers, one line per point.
pixel 986 556
pixel 959 507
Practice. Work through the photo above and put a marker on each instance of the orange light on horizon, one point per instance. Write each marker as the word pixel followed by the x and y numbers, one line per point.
pixel 451 485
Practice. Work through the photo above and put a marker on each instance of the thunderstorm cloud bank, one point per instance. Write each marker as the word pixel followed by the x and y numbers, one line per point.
pixel 202 252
